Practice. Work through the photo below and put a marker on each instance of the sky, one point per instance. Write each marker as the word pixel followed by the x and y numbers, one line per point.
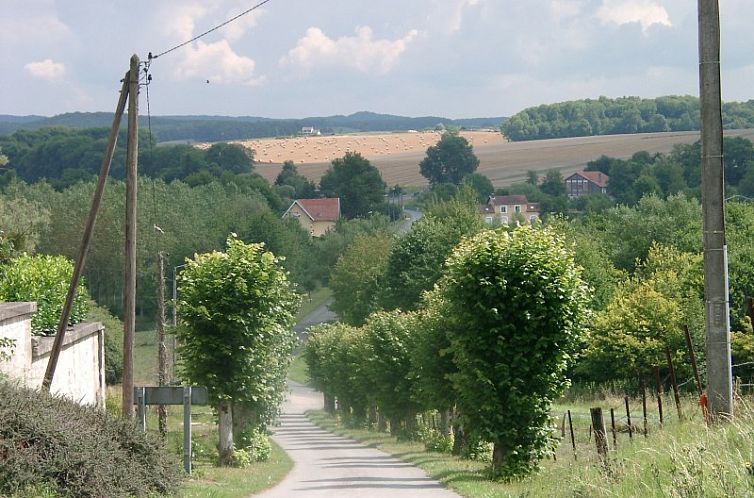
pixel 298 58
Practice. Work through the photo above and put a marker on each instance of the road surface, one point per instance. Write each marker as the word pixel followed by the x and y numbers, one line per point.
pixel 326 465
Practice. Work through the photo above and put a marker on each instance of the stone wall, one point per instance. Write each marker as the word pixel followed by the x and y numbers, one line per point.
pixel 80 372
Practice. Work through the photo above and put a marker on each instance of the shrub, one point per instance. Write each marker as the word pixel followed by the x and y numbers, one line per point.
pixel 256 444
pixel 435 440
pixel 44 279
pixel 113 342
pixel 48 442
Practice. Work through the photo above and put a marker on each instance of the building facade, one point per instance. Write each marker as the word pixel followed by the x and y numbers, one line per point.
pixel 316 216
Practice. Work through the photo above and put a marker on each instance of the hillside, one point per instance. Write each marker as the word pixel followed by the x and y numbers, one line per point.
pixel 220 128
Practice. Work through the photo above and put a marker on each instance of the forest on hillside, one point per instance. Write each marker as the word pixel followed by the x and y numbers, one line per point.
pixel 219 128
pixel 606 116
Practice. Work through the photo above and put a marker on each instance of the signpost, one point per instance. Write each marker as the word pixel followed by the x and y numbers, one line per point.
pixel 164 395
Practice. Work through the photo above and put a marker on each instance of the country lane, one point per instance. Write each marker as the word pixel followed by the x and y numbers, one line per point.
pixel 326 465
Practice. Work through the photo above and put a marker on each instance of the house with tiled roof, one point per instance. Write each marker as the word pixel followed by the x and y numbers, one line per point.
pixel 509 209
pixel 585 183
pixel 316 216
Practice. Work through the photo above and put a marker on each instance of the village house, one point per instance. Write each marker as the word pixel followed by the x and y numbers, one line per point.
pixel 316 216
pixel 585 183
pixel 509 209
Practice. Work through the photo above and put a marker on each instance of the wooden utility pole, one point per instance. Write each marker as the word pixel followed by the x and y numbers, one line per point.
pixel 717 321
pixel 86 240
pixel 129 281
pixel 162 353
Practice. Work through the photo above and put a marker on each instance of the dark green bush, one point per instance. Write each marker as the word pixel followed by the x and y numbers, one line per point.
pixel 44 279
pixel 52 443
pixel 113 342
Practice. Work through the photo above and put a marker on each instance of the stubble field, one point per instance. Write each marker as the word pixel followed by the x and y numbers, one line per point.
pixel 397 155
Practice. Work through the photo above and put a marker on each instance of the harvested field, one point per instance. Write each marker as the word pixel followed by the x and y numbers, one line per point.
pixel 397 155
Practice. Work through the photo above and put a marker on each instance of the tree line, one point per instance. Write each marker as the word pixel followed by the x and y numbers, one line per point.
pixel 606 116
pixel 396 353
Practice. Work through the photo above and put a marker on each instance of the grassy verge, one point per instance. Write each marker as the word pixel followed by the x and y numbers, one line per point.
pixel 312 301
pixel 299 370
pixel 683 459
pixel 210 481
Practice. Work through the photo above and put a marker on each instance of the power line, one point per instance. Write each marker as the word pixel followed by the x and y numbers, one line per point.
pixel 209 30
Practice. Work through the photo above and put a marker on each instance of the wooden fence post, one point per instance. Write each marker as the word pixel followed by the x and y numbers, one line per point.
pixel 628 417
pixel 600 435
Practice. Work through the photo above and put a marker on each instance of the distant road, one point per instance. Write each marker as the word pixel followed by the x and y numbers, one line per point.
pixel 508 162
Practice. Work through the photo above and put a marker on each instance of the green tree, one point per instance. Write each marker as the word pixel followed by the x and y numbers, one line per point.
pixel 553 184
pixel 417 259
pixel 449 161
pixel 517 306
pixel 357 277
pixel 358 184
pixel 238 308
pixel 388 339
pixel 481 185
pixel 303 187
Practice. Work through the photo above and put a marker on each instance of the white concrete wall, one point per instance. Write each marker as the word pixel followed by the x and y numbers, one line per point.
pixel 15 324
pixel 80 372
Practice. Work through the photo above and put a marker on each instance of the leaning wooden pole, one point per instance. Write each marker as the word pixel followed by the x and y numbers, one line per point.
pixel 129 281
pixel 86 240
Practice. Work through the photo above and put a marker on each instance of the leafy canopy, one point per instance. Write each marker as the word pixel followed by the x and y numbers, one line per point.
pixel 449 161
pixel 517 306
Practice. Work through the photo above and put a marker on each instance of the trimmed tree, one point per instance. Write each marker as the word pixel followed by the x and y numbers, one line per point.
pixel 451 159
pixel 518 306
pixel 358 184
pixel 238 310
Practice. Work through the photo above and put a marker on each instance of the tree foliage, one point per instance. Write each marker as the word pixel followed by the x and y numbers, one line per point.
pixel 44 279
pixel 517 305
pixel 449 161
pixel 238 308
pixel 605 116
pixel 357 277
pixel 358 184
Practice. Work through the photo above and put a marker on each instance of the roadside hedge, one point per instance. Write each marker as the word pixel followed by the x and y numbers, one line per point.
pixel 48 442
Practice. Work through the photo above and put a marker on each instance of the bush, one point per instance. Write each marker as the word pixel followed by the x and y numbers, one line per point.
pixel 256 444
pixel 48 442
pixel 113 342
pixel 44 279
pixel 435 440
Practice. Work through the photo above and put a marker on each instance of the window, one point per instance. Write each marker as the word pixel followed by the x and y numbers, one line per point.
pixel 504 219
pixel 488 220
pixel 503 209
pixel 517 208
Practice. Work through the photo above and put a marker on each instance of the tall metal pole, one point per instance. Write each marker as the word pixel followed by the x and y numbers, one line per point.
pixel 717 321
pixel 129 281
pixel 86 240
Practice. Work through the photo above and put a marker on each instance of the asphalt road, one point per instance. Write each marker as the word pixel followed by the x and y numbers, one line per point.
pixel 326 465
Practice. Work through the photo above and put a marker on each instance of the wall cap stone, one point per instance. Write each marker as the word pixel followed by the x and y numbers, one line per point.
pixel 42 345
pixel 12 310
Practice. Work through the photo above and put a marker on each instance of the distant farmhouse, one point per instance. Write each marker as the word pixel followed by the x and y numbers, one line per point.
pixel 316 216
pixel 310 130
pixel 508 209
pixel 585 183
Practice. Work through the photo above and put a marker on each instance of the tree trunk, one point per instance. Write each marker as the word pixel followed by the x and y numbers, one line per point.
pixel 411 426
pixel 445 422
pixel 243 417
pixel 225 429
pixel 381 422
pixel 329 403
pixel 498 457
pixel 395 426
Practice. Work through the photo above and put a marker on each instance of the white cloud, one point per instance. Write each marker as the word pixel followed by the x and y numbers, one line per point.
pixel 361 52
pixel 180 22
pixel 216 62
pixel 45 28
pixel 565 9
pixel 235 30
pixel 46 69
pixel 644 12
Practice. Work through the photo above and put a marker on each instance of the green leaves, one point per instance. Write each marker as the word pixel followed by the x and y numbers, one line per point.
pixel 238 310
pixel 44 279
pixel 516 306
